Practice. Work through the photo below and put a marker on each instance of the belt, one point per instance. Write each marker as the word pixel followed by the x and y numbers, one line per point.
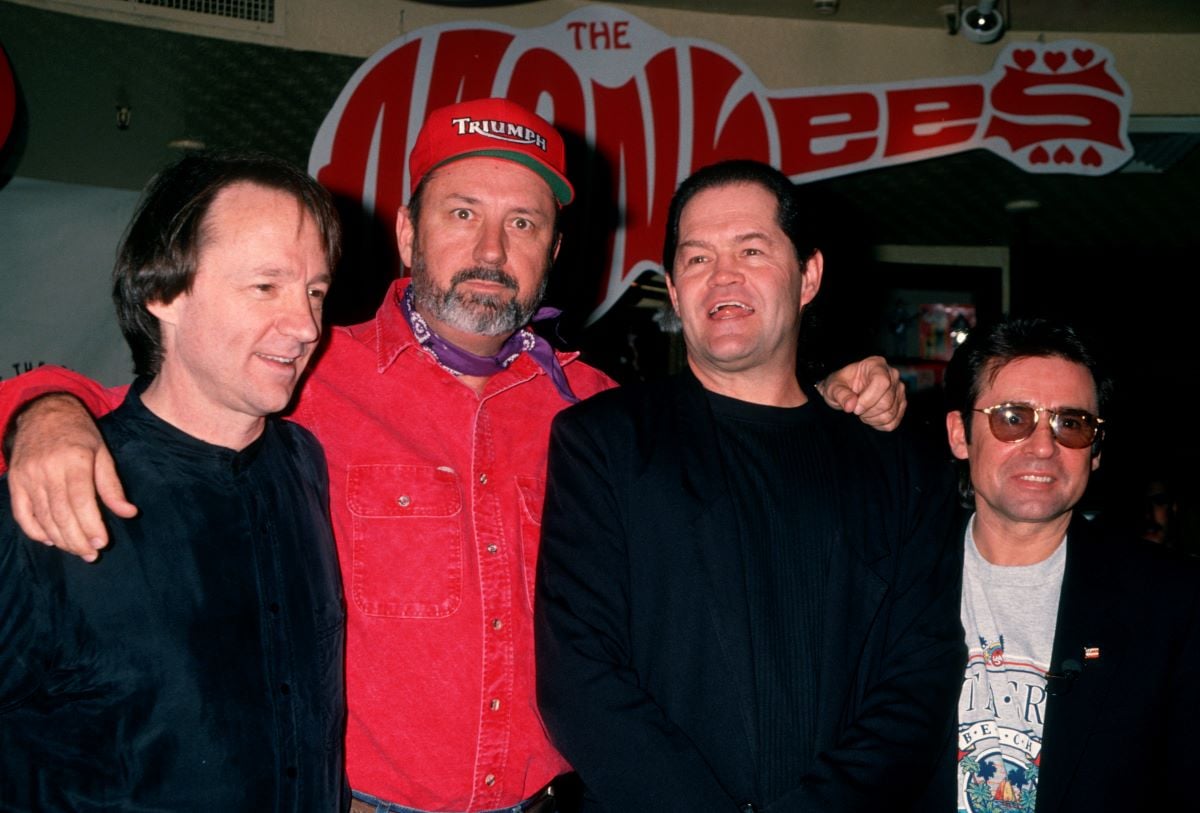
pixel 541 802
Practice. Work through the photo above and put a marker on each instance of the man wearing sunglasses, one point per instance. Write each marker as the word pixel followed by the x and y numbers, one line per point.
pixel 1084 651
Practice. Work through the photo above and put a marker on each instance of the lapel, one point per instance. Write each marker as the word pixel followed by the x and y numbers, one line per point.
pixel 1087 617
pixel 857 591
pixel 710 521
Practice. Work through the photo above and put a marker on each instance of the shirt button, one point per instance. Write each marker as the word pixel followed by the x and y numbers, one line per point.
pixel 403 501
pixel 497 623
pixel 495 705
pixel 285 689
pixel 489 780
pixel 483 479
pixel 492 548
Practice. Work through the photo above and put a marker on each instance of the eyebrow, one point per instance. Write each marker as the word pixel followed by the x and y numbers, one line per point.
pixel 520 210
pixel 464 198
pixel 738 238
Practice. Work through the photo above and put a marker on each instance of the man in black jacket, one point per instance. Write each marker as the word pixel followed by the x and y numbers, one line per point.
pixel 1084 652
pixel 745 601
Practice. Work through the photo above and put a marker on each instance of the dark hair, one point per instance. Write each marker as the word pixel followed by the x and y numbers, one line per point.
pixel 987 350
pixel 791 214
pixel 158 257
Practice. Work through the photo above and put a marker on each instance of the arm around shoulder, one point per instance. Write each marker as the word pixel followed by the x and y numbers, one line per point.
pixel 59 463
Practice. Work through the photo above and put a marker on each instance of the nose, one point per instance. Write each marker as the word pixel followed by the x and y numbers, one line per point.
pixel 491 246
pixel 725 271
pixel 1042 443
pixel 300 318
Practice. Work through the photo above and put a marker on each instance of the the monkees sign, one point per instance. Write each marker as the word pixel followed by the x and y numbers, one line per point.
pixel 656 107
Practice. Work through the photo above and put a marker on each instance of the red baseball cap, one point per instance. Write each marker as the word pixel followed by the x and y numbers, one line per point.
pixel 492 128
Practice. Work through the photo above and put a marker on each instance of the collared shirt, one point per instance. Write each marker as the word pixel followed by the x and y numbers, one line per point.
pixel 197 665
pixel 436 497
pixel 437 500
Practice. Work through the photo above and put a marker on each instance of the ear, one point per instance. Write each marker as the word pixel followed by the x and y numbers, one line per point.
pixel 956 431
pixel 405 233
pixel 557 246
pixel 811 283
pixel 671 293
pixel 166 312
pixel 1095 461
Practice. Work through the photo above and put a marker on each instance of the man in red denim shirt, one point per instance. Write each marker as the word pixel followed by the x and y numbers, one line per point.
pixel 435 419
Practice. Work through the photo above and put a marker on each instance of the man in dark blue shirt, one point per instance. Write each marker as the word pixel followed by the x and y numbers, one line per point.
pixel 198 664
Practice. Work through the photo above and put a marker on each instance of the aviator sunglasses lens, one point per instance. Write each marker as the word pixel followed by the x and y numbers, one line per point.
pixel 1010 423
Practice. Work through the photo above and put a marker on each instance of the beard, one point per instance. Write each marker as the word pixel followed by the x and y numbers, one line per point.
pixel 470 312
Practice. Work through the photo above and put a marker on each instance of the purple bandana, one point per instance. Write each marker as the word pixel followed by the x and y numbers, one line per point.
pixel 462 362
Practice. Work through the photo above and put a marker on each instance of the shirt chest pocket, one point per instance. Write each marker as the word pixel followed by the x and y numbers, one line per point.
pixel 408 545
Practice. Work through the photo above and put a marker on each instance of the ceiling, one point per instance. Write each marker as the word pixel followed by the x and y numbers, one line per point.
pixel 1167 16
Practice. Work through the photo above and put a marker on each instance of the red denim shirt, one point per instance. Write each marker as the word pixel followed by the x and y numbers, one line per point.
pixel 436 496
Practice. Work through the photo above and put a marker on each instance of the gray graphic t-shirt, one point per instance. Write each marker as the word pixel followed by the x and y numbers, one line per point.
pixel 1008 614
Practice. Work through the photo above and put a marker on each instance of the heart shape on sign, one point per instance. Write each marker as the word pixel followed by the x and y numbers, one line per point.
pixel 1083 56
pixel 1024 58
pixel 1054 60
pixel 1063 156
pixel 1039 156
pixel 1091 157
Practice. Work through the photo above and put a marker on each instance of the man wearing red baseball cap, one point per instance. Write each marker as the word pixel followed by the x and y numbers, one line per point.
pixel 435 420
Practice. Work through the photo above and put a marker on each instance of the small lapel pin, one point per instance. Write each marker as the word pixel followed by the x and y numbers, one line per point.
pixel 1091 653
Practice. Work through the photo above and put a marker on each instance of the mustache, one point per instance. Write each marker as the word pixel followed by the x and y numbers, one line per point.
pixel 484 274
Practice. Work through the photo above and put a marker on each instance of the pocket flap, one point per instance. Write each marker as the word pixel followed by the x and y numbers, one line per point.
pixel 402 491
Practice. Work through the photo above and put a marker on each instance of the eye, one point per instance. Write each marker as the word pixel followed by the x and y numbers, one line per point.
pixel 264 287
pixel 523 224
pixel 1015 415
pixel 752 252
pixel 317 294
pixel 1070 421
pixel 461 214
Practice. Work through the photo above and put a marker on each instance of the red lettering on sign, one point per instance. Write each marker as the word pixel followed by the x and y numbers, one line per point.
pixel 1023 93
pixel 929 118
pixel 375 103
pixel 743 134
pixel 621 138
pixel 600 35
pixel 464 66
pixel 539 72
pixel 807 121
pixel 1058 107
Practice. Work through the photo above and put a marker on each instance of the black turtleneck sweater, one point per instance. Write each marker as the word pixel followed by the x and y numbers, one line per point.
pixel 778 467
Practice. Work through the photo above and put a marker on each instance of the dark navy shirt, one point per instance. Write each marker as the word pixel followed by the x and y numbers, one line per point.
pixel 197 666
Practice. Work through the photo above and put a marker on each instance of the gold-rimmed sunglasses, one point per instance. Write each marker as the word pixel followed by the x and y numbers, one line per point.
pixel 1073 428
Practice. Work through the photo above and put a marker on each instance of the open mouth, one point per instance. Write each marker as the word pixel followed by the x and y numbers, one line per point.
pixel 728 310
pixel 278 359
pixel 1037 478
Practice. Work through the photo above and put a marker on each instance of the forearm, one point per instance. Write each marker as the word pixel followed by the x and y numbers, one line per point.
pixel 17 393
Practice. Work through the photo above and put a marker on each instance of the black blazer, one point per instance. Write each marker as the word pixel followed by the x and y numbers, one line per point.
pixel 644 668
pixel 1123 736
